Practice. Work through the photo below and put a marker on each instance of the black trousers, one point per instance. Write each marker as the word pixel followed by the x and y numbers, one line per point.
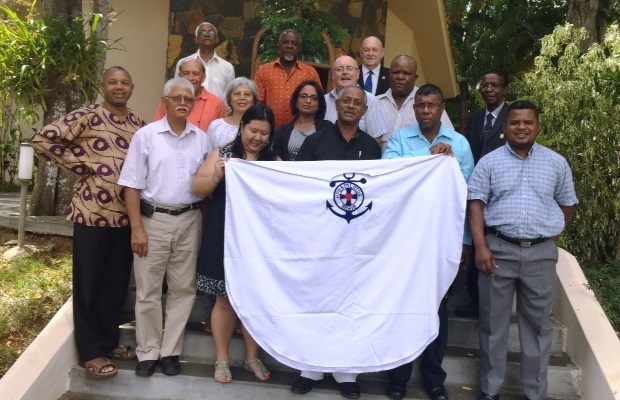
pixel 102 260
pixel 431 358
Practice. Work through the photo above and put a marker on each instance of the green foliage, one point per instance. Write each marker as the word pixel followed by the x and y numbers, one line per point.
pixel 580 121
pixel 499 34
pixel 31 291
pixel 604 280
pixel 306 18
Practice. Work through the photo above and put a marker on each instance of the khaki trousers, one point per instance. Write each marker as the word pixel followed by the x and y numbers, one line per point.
pixel 173 243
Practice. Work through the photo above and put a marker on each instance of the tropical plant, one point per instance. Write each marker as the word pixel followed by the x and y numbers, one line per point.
pixel 578 94
pixel 305 17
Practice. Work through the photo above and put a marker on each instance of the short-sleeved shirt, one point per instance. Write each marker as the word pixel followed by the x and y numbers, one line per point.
pixel 163 165
pixel 329 144
pixel 523 196
pixel 275 87
pixel 219 73
pixel 91 142
pixel 207 108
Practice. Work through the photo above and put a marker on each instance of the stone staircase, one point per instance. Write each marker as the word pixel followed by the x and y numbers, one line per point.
pixel 198 357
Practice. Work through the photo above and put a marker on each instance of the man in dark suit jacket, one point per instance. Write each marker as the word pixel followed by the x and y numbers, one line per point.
pixel 485 133
pixel 372 53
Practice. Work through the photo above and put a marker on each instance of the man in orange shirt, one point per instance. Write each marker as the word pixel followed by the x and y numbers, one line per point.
pixel 207 106
pixel 278 80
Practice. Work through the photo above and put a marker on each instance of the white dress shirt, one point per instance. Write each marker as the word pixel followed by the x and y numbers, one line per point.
pixel 219 73
pixel 403 117
pixel 373 122
pixel 163 165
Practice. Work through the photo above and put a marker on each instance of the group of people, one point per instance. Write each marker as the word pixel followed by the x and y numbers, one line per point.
pixel 141 201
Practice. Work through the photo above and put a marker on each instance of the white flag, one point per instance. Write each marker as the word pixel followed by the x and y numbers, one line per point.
pixel 340 266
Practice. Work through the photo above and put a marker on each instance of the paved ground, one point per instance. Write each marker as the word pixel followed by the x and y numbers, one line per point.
pixel 9 217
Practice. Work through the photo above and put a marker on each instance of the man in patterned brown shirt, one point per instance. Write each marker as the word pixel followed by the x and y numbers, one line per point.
pixel 92 143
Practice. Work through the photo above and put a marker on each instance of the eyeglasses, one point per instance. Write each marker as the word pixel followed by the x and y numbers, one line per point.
pixel 312 97
pixel 351 103
pixel 179 99
pixel 341 69
pixel 207 33
pixel 430 106
pixel 493 85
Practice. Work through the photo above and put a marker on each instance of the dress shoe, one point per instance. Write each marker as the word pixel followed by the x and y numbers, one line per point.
pixel 350 390
pixel 146 367
pixel 468 311
pixel 484 396
pixel 439 393
pixel 302 385
pixel 396 392
pixel 170 365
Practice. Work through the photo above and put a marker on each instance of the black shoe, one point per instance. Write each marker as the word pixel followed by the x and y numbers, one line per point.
pixel 350 390
pixel 396 391
pixel 438 393
pixel 484 396
pixel 170 365
pixel 146 367
pixel 468 311
pixel 302 385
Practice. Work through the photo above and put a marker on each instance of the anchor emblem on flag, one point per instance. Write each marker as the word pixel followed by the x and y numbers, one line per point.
pixel 348 197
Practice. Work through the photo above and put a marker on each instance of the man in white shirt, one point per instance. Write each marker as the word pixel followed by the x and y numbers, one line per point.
pixel 158 174
pixel 397 103
pixel 344 74
pixel 373 77
pixel 219 71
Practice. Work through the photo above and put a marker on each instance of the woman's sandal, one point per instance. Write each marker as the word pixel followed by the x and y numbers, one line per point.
pixel 95 366
pixel 122 353
pixel 224 376
pixel 262 374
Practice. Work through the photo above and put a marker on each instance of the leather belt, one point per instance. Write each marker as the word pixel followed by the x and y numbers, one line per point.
pixel 525 243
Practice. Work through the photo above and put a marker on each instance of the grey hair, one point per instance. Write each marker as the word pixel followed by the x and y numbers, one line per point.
pixel 354 86
pixel 284 32
pixel 205 23
pixel 241 81
pixel 178 82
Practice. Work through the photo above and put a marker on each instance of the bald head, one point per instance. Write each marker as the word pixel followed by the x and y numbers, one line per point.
pixel 372 52
pixel 344 72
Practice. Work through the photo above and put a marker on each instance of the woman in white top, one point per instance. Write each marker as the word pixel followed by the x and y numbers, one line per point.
pixel 241 94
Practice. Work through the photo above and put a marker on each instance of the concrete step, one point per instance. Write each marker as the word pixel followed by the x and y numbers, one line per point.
pixel 196 381
pixel 461 363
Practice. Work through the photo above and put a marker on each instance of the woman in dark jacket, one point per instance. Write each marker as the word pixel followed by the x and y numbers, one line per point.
pixel 308 106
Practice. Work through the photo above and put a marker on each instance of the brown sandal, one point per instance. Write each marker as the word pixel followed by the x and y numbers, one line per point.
pixel 94 368
pixel 122 353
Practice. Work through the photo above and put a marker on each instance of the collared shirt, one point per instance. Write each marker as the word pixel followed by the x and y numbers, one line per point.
pixel 163 165
pixel 523 196
pixel 494 112
pixel 328 144
pixel 411 142
pixel 207 107
pixel 403 117
pixel 91 142
pixel 275 87
pixel 373 122
pixel 374 77
pixel 219 73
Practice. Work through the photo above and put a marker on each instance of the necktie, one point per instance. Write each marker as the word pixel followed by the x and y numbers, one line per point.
pixel 368 83
pixel 486 133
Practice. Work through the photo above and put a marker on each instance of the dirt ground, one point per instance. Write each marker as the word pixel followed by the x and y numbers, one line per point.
pixel 59 246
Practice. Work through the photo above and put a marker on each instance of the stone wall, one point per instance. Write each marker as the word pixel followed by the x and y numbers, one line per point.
pixel 238 22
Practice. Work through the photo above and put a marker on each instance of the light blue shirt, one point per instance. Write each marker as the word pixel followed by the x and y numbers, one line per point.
pixel 411 142
pixel 523 196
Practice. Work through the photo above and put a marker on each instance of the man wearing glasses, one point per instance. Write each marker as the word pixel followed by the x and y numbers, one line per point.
pixel 219 71
pixel 158 173
pixel 429 137
pixel 207 107
pixel 346 73
pixel 485 133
